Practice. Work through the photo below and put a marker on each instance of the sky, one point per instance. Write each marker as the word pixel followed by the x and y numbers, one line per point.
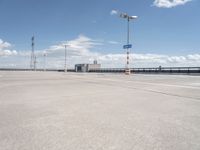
pixel 166 32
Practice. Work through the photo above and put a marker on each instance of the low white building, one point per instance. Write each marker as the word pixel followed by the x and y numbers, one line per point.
pixel 87 67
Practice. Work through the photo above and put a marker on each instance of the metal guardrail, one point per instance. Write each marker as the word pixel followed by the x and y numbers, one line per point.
pixel 42 70
pixel 183 70
pixel 164 70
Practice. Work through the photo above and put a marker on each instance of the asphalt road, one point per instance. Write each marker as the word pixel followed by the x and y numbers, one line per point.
pixel 68 111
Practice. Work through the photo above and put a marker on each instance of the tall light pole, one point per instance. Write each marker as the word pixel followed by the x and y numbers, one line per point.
pixel 34 62
pixel 32 53
pixel 45 55
pixel 65 67
pixel 129 18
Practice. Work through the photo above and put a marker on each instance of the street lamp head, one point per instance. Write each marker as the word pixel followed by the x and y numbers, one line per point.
pixel 133 17
pixel 124 15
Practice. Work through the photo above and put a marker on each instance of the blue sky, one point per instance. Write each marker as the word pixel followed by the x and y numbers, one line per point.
pixel 164 28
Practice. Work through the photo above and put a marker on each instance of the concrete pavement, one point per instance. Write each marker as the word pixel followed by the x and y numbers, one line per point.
pixel 69 111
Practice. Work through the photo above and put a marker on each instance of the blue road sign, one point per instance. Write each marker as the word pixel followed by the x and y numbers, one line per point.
pixel 127 46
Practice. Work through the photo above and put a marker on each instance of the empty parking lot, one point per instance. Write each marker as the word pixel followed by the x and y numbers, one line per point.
pixel 59 111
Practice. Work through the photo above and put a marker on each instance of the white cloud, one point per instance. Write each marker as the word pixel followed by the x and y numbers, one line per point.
pixel 113 12
pixel 149 60
pixel 4 45
pixel 80 46
pixel 4 49
pixel 113 42
pixel 194 57
pixel 82 50
pixel 169 3
pixel 79 50
pixel 7 52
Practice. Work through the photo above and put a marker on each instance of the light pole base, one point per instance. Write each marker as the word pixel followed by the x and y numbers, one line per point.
pixel 127 71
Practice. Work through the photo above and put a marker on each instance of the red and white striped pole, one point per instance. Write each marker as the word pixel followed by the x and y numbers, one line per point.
pixel 126 16
pixel 127 71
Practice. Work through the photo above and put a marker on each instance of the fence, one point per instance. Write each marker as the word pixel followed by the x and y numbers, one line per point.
pixel 183 70
pixel 164 70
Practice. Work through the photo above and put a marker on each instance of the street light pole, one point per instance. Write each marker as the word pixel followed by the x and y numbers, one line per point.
pixel 32 53
pixel 35 61
pixel 65 69
pixel 127 52
pixel 126 16
pixel 45 55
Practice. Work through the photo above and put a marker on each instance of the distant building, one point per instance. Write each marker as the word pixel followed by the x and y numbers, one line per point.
pixel 87 67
